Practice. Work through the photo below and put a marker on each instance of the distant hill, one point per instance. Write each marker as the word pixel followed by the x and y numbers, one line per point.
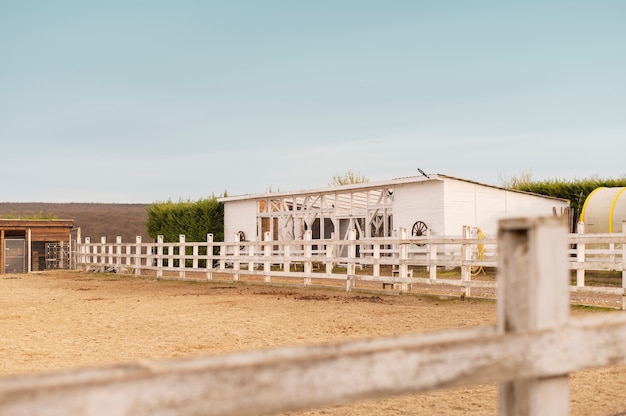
pixel 95 220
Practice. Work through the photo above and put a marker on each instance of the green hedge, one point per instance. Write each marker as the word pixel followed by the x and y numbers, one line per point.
pixel 576 191
pixel 194 219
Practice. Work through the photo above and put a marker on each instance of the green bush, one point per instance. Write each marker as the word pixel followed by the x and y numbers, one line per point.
pixel 194 219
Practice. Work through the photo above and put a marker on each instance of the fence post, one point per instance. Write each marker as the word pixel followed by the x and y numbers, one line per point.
pixel 237 248
pixel 87 258
pixel 351 266
pixel 286 254
pixel 194 253
pixel 466 258
pixel 209 256
pixel 580 256
pixel 308 253
pixel 432 258
pixel 137 255
pixel 533 294
pixel 118 252
pixel 376 260
pixel 330 254
pixel 181 255
pixel 102 250
pixel 159 257
pixel 403 267
pixel 267 254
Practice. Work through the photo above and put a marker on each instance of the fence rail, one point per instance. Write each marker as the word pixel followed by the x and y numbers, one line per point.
pixel 390 261
pixel 530 352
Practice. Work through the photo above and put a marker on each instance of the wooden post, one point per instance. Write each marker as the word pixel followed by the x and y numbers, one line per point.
pixel 286 254
pixel 351 266
pixel 376 260
pixel 432 258
pixel 403 267
pixel 102 251
pixel 267 254
pixel 2 252
pixel 209 256
pixel 29 254
pixel 466 258
pixel 194 253
pixel 237 248
pixel 181 255
pixel 137 255
pixel 87 257
pixel 118 253
pixel 533 294
pixel 159 259
pixel 308 254
pixel 251 253
pixel 330 253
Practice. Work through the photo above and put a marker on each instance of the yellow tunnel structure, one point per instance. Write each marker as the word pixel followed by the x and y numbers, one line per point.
pixel 604 210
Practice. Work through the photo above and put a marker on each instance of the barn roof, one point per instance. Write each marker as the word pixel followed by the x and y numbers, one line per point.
pixel 365 186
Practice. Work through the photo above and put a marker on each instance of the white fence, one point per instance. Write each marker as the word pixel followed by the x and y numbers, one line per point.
pixel 530 352
pixel 391 261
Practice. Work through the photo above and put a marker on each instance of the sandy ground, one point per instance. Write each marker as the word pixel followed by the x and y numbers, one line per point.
pixel 65 320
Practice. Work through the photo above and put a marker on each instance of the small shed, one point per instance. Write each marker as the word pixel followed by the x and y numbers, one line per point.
pixel 438 204
pixel 33 245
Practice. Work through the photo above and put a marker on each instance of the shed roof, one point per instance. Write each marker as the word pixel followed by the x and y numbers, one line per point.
pixel 19 224
pixel 364 186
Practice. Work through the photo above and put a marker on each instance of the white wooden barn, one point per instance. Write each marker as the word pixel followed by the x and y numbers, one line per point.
pixel 439 203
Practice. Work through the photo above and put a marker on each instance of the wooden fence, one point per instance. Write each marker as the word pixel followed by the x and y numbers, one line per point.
pixel 530 352
pixel 390 261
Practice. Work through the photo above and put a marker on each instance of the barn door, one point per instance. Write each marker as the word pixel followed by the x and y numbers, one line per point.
pixel 14 255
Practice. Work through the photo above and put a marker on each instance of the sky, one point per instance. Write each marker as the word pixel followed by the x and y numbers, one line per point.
pixel 145 101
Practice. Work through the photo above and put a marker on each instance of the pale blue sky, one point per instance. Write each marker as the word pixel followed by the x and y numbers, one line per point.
pixel 144 101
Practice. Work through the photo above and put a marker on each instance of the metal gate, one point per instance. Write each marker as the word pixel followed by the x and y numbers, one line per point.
pixel 14 255
pixel 57 255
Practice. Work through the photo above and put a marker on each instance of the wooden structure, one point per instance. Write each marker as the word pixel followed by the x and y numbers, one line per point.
pixel 33 245
pixel 312 260
pixel 435 204
pixel 530 352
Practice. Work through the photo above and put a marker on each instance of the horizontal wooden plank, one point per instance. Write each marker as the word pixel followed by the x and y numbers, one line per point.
pixel 268 381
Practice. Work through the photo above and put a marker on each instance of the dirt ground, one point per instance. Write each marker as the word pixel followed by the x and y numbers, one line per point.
pixel 64 320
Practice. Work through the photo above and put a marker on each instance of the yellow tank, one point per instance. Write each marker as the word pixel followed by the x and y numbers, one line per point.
pixel 604 210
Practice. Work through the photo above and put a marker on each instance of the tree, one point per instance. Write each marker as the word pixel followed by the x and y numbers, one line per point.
pixel 349 177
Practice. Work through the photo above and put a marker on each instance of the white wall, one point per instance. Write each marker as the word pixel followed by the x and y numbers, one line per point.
pixel 476 205
pixel 420 201
pixel 240 216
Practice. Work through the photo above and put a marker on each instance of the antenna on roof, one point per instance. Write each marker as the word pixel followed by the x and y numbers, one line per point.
pixel 422 172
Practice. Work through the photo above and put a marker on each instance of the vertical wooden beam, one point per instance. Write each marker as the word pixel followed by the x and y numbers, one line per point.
pixel 466 258
pixel 137 255
pixel 1 251
pixel 308 255
pixel 159 253
pixel 118 252
pixel 267 254
pixel 533 293
pixel 209 256
pixel 29 253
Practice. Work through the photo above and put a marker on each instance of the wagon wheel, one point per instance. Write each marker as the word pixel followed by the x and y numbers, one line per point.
pixel 242 237
pixel 419 229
